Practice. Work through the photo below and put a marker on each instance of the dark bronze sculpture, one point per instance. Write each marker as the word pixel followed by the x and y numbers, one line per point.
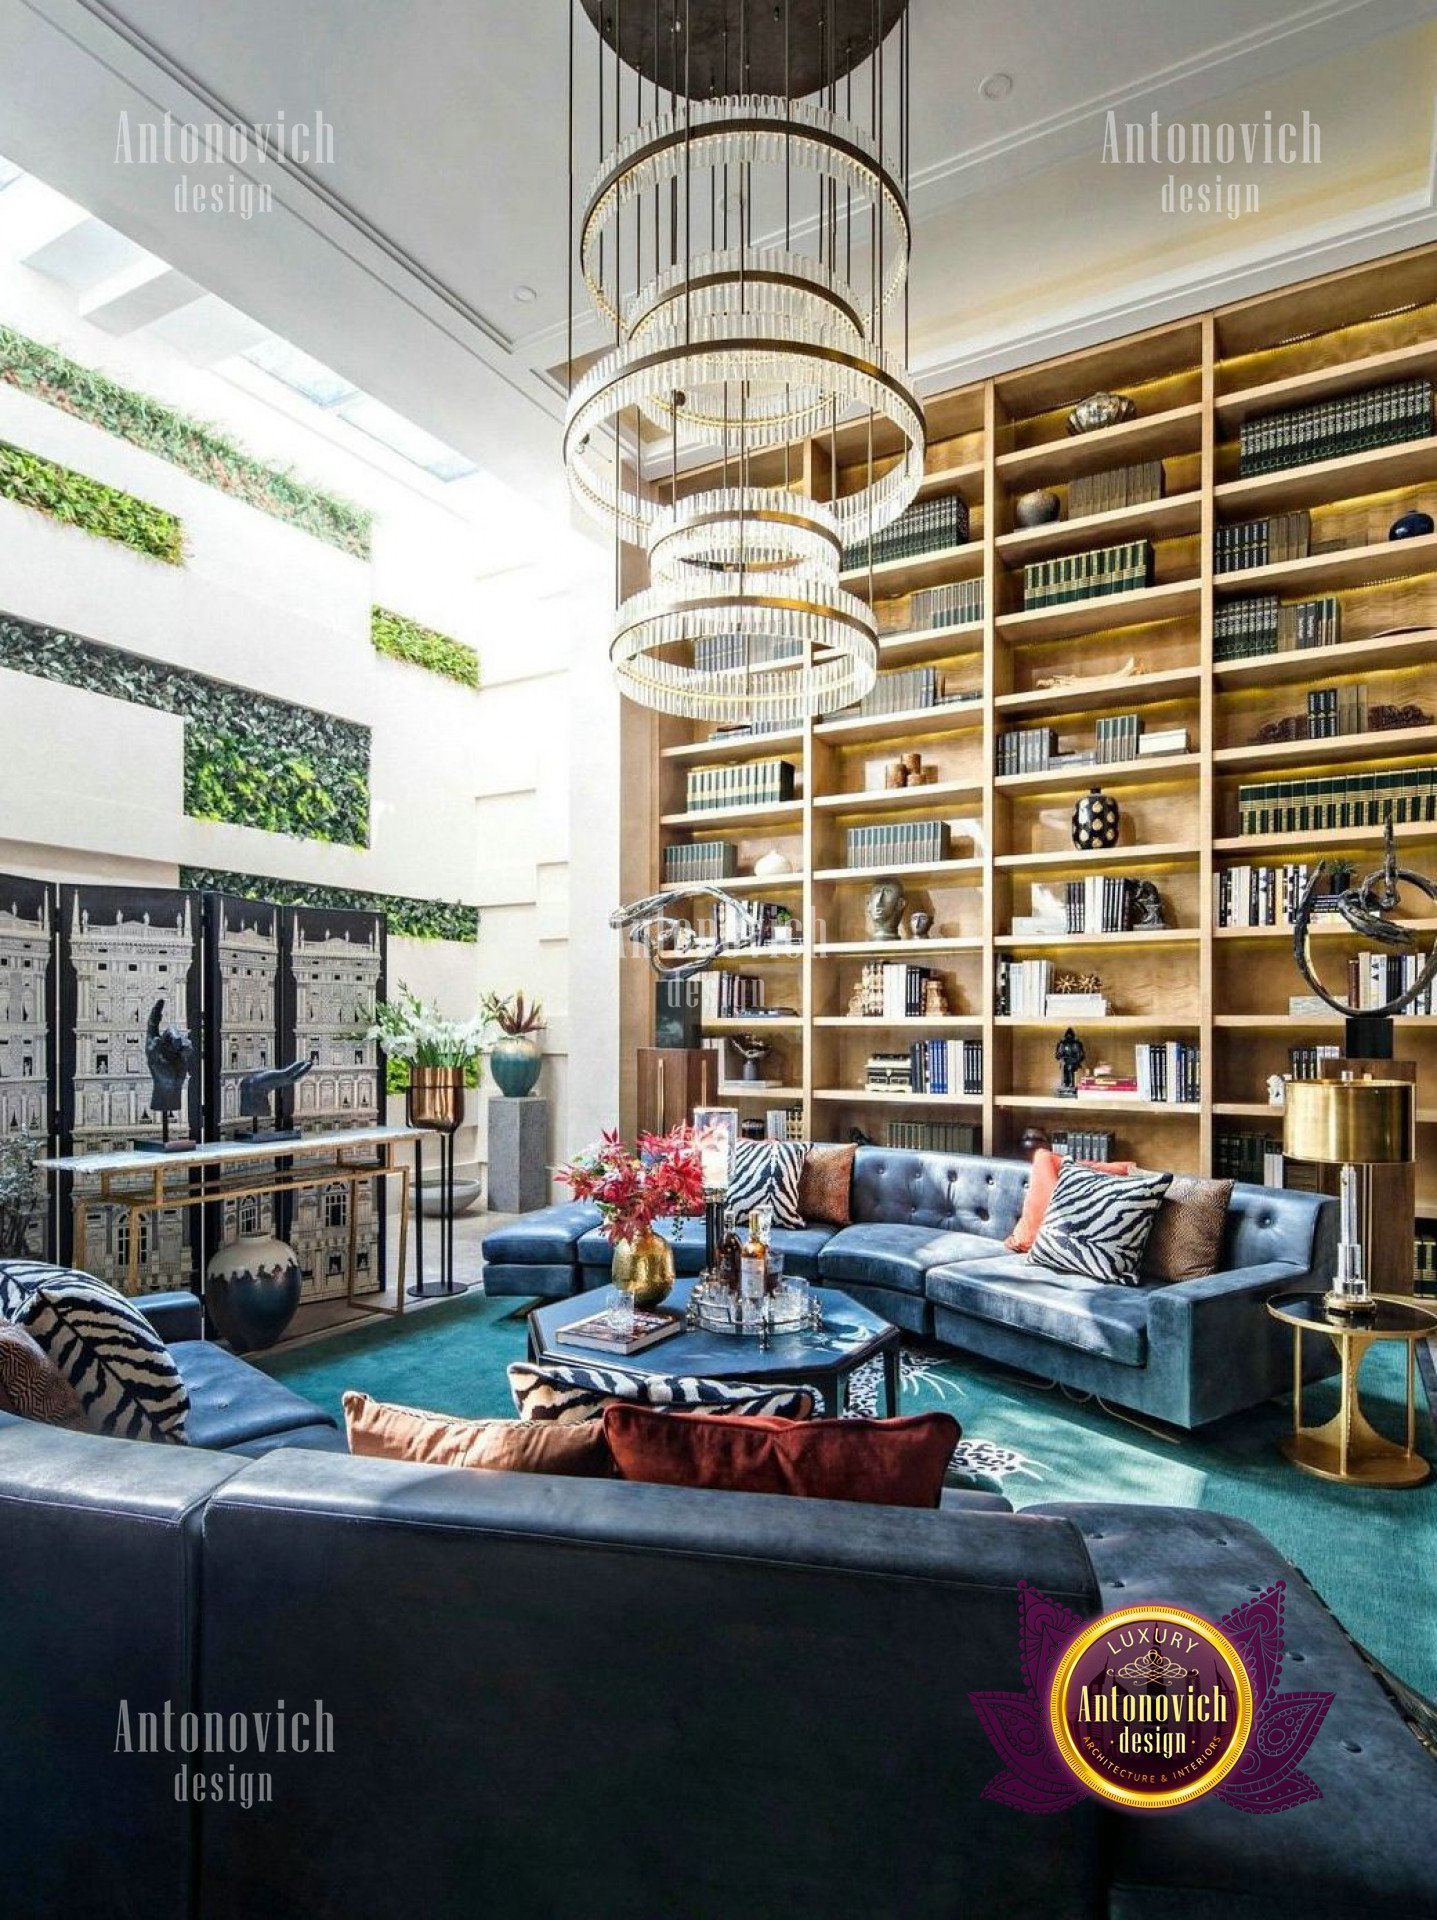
pixel 1366 908
pixel 1070 1053
pixel 258 1088
pixel 170 1057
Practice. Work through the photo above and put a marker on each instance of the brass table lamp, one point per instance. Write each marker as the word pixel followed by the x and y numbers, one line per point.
pixel 1352 1124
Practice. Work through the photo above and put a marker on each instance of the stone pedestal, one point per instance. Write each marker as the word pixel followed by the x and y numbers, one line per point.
pixel 518 1154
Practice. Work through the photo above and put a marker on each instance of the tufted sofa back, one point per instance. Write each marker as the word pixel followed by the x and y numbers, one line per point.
pixel 1270 1223
pixel 951 1192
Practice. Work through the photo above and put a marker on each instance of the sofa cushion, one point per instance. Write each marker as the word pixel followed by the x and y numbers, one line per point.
pixel 563 1390
pixel 124 1374
pixel 1186 1238
pixel 539 1239
pixel 388 1432
pixel 887 1254
pixel 232 1402
pixel 766 1173
pixel 800 1247
pixel 18 1280
pixel 961 1193
pixel 1046 1166
pixel 32 1386
pixel 1066 1307
pixel 1098 1223
pixel 825 1187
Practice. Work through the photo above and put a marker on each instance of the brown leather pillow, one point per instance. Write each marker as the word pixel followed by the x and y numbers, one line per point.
pixel 825 1186
pixel 387 1432
pixel 1186 1237
pixel 891 1463
pixel 33 1386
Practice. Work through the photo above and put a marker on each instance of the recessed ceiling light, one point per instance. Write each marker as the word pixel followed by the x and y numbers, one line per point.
pixel 997 86
pixel 526 296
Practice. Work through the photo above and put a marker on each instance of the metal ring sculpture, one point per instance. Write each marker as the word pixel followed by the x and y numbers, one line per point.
pixel 1365 908
pixel 650 923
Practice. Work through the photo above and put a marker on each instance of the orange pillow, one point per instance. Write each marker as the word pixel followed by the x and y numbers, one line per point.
pixel 1041 1183
pixel 388 1432
pixel 890 1463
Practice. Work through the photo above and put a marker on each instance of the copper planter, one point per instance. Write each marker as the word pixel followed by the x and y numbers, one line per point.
pixel 436 1098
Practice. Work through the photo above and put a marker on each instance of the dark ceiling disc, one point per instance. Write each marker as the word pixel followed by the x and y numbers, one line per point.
pixel 708 47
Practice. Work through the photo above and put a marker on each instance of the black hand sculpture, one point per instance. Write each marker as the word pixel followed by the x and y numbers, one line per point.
pixel 170 1056
pixel 257 1089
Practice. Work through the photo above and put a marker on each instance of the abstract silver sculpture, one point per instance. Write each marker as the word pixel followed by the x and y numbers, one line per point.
pixel 675 950
pixel 1365 908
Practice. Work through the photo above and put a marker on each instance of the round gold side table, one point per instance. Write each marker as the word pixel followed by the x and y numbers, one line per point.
pixel 1348 1447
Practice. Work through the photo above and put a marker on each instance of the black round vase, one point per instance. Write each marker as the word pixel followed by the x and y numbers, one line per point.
pixel 252 1289
pixel 1095 821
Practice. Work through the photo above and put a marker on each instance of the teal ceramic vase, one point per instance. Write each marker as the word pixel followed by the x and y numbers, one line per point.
pixel 515 1060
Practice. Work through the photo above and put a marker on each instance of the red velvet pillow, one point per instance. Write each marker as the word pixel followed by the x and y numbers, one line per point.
pixel 1041 1183
pixel 888 1463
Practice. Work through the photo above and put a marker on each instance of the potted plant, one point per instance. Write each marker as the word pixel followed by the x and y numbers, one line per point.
pixel 516 1056
pixel 439 1053
pixel 662 1179
pixel 22 1192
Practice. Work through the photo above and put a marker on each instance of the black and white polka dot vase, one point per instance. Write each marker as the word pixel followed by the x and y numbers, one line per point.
pixel 1095 821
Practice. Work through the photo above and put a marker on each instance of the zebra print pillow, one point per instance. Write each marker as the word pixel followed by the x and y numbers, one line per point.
pixel 19 1279
pixel 32 1386
pixel 124 1373
pixel 563 1391
pixel 766 1173
pixel 1097 1224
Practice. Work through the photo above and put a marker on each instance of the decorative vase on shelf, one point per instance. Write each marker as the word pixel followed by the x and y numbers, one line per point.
pixel 644 1268
pixel 515 1060
pixel 1038 508
pixel 1101 410
pixel 1411 525
pixel 252 1288
pixel 1095 821
pixel 436 1098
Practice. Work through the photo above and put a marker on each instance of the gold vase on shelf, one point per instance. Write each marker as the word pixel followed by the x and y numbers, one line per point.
pixel 436 1098
pixel 644 1268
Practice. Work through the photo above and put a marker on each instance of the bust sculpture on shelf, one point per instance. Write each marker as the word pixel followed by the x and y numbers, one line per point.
pixel 170 1057
pixel 1070 1053
pixel 256 1091
pixel 1147 907
pixel 884 909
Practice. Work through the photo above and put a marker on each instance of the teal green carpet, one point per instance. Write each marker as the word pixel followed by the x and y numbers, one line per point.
pixel 1371 1555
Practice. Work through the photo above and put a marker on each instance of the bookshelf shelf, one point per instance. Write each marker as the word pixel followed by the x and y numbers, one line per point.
pixel 754 1023
pixel 1195 382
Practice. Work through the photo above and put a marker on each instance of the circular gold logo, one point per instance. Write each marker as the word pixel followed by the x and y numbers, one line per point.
pixel 1151 1707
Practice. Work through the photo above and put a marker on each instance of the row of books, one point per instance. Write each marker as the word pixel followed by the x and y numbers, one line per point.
pixel 928 1066
pixel 1116 488
pixel 1246 896
pixel 1403 795
pixel 1375 978
pixel 783 1123
pixel 1424 1278
pixel 1333 711
pixel 691 861
pixel 1259 623
pixel 1262 543
pixel 736 652
pixel 747 783
pixel 1167 1071
pixel 928 526
pixel 1305 1063
pixel 1248 1156
pixel 956 604
pixel 1026 750
pixel 1118 736
pixel 1082 1143
pixel 1099 903
pixel 899 843
pixel 1088 576
pixel 1330 429
pixel 893 990
pixel 900 690
pixel 932 1136
pixel 754 923
pixel 724 995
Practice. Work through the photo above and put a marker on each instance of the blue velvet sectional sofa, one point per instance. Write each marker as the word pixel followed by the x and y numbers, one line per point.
pixel 925 1250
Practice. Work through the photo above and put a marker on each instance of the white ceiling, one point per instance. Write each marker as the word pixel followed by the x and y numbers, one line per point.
pixel 397 263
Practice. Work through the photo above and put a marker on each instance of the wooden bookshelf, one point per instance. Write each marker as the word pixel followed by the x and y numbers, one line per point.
pixel 1149 650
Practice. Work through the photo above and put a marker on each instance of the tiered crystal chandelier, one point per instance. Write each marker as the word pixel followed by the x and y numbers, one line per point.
pixel 744 243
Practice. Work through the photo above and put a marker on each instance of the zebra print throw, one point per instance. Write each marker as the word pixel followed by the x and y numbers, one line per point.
pixel 1097 1224
pixel 124 1374
pixel 766 1173
pixel 32 1386
pixel 564 1391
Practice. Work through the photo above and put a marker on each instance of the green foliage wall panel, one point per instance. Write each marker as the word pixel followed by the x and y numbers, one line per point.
pixel 408 917
pixel 249 760
pixel 74 498
pixel 404 639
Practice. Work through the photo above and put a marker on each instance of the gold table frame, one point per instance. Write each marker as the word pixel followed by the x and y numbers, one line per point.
pixel 1348 1447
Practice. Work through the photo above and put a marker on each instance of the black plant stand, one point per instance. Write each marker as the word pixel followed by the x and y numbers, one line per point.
pixel 447 1285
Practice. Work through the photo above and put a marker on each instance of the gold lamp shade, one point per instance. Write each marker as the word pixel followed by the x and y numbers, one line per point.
pixel 1349 1122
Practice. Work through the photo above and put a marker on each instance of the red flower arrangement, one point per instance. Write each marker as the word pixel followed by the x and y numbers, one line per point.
pixel 662 1180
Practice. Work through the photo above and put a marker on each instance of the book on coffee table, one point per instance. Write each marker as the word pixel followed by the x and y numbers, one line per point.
pixel 598 1331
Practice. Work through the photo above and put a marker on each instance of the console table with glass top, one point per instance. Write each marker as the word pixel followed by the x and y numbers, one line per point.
pixel 200 1176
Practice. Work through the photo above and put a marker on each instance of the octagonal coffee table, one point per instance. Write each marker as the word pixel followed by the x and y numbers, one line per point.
pixel 823 1359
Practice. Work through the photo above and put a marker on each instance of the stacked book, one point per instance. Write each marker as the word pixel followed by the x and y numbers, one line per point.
pixel 891 990
pixel 958 604
pixel 1375 978
pixel 1247 1156
pixel 1262 543
pixel 899 843
pixel 888 1073
pixel 1048 915
pixel 901 690
pixel 1022 988
pixel 1088 576
pixel 1151 746
pixel 946 1067
pixel 1260 623
pixel 1167 1072
pixel 933 1136
pixel 1305 1063
pixel 1405 796
pixel 700 860
pixel 748 729
pixel 1118 735
pixel 1118 487
pixel 1331 429
pixel 1076 1006
pixel 1026 750
pixel 747 783
pixel 1082 1143
pixel 783 1123
pixel 928 526
pixel 1270 896
pixel 736 652
pixel 1336 710
pixel 729 996
pixel 1098 903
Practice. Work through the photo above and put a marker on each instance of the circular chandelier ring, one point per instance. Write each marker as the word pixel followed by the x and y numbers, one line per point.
pixel 741 269
pixel 740 531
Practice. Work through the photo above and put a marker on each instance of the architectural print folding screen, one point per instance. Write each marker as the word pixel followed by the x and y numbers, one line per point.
pixel 27 1018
